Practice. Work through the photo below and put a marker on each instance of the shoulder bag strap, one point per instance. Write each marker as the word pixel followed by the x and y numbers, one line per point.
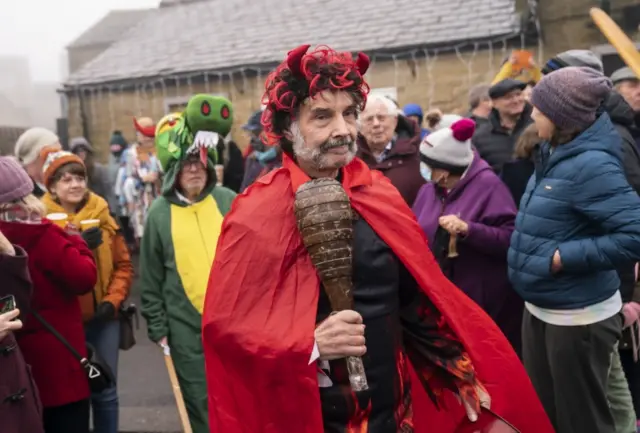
pixel 60 338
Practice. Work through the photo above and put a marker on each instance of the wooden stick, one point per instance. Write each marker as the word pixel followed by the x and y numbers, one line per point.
pixel 177 392
pixel 621 42
pixel 453 246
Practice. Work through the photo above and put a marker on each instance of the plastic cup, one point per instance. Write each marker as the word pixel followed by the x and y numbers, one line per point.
pixel 59 219
pixel 88 224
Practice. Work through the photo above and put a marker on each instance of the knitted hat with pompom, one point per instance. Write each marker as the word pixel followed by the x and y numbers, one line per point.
pixel 449 148
pixel 53 160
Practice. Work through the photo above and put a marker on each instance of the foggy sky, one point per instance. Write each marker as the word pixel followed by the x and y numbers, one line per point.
pixel 41 29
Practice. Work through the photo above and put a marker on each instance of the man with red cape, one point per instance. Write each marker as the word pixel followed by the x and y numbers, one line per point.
pixel 434 361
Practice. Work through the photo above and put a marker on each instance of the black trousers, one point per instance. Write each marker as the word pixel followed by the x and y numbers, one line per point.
pixel 569 368
pixel 127 232
pixel 70 418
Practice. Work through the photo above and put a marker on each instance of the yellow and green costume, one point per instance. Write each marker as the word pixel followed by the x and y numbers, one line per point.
pixel 179 245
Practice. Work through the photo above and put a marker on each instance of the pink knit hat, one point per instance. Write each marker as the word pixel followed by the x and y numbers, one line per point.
pixel 15 183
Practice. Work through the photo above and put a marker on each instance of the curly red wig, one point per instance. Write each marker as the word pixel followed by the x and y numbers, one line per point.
pixel 304 75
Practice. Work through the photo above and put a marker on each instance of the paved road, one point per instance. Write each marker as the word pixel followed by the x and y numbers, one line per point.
pixel 147 404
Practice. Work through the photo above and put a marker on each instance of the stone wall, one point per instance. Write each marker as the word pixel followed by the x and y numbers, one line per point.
pixel 445 86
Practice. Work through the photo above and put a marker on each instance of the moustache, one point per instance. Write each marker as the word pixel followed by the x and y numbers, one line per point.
pixel 331 144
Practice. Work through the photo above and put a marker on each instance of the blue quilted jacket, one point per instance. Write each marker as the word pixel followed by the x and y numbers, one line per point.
pixel 579 203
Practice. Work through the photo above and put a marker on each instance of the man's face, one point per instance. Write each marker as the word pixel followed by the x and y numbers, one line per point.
pixel 193 177
pixel 324 137
pixel 511 104
pixel 630 91
pixel 82 154
pixel 378 125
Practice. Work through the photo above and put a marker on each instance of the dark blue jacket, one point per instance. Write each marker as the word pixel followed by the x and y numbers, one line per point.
pixel 579 203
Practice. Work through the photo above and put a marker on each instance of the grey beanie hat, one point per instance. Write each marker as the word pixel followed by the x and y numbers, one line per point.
pixel 624 74
pixel 80 143
pixel 569 58
pixel 570 97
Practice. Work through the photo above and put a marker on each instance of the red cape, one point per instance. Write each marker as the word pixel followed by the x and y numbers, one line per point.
pixel 260 311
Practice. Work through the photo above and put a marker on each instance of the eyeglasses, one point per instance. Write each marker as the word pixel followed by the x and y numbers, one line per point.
pixel 192 163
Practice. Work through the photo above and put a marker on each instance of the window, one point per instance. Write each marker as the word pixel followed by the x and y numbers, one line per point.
pixel 178 104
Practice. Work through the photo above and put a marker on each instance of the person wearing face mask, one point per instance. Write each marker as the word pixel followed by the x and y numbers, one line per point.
pixel 65 176
pixel 468 215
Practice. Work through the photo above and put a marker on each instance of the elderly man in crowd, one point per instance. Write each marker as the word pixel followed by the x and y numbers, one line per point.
pixel 27 151
pixel 390 142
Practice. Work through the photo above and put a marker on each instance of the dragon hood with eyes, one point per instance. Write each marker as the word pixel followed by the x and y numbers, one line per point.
pixel 197 130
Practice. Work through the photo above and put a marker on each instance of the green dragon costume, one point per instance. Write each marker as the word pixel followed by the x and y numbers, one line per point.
pixel 179 244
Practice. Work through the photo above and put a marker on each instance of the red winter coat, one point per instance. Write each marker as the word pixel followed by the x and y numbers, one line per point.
pixel 402 164
pixel 20 409
pixel 62 268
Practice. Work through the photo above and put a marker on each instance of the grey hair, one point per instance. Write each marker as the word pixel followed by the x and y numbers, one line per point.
pixel 392 108
pixel 477 94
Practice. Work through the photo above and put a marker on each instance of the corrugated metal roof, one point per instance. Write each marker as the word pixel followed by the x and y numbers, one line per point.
pixel 216 35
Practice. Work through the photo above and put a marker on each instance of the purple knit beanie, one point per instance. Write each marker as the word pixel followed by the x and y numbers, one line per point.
pixel 15 183
pixel 571 96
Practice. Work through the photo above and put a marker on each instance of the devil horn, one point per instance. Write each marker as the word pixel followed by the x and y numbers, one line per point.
pixel 362 63
pixel 294 58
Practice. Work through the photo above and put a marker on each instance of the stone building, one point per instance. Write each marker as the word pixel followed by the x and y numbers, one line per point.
pixel 427 52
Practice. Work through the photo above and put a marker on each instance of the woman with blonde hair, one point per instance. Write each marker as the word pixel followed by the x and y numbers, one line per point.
pixel 61 268
pixel 516 174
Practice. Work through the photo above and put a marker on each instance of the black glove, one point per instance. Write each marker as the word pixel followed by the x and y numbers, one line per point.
pixel 105 311
pixel 93 237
